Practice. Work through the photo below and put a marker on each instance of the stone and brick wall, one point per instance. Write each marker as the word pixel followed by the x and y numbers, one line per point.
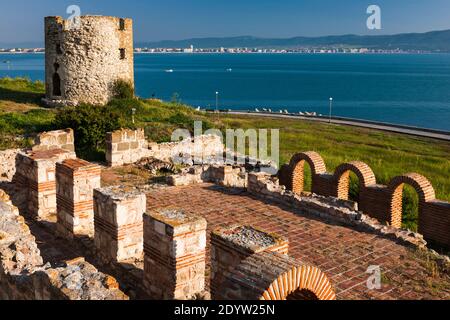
pixel 267 187
pixel 231 245
pixel 250 264
pixel 76 180
pixel 174 254
pixel 383 202
pixel 35 178
pixel 119 223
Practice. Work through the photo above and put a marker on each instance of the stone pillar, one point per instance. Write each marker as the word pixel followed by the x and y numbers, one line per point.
pixel 231 245
pixel 35 177
pixel 174 254
pixel 118 220
pixel 76 180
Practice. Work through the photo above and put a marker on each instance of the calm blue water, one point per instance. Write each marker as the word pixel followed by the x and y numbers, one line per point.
pixel 404 89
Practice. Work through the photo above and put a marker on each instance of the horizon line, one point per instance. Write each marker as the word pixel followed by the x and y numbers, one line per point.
pixel 255 37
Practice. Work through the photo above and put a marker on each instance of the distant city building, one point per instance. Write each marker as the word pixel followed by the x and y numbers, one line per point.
pixel 189 50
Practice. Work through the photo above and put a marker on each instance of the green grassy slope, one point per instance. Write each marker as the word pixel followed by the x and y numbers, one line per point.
pixel 388 154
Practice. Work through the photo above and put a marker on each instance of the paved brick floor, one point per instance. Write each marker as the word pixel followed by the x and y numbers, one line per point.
pixel 342 253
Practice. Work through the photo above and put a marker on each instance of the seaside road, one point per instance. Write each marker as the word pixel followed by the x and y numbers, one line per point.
pixel 344 254
pixel 427 133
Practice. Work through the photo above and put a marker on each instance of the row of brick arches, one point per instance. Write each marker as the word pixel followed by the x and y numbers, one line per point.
pixel 383 202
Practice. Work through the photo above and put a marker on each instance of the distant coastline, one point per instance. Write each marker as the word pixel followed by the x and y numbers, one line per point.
pixel 277 52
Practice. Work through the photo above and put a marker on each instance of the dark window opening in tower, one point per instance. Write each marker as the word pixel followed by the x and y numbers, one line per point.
pixel 56 85
pixel 122 24
pixel 122 54
pixel 58 49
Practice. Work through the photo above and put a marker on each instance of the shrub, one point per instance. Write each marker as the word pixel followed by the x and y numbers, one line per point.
pixel 90 125
pixel 123 90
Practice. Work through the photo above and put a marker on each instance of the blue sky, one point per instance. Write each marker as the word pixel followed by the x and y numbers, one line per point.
pixel 22 20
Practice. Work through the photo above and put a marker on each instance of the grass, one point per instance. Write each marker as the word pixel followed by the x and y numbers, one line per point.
pixel 388 154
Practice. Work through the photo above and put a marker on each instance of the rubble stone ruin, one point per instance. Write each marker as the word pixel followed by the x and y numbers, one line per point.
pixel 85 57
pixel 59 226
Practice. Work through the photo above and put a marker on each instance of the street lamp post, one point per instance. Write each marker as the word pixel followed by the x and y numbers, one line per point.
pixel 217 101
pixel 133 112
pixel 331 107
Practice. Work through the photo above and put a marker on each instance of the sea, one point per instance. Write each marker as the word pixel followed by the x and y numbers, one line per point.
pixel 406 89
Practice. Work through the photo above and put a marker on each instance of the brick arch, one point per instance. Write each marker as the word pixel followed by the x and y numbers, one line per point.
pixel 295 182
pixel 423 187
pixel 299 283
pixel 342 176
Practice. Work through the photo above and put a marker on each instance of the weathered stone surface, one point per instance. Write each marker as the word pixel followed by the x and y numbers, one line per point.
pixel 128 146
pixel 8 164
pixel 82 63
pixel 59 139
pixel 224 175
pixel 125 147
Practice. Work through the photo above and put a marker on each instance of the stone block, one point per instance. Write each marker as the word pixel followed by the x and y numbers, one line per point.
pixel 119 223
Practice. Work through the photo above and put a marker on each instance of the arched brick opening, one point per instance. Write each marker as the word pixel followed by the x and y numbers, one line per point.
pixel 297 165
pixel 423 187
pixel 364 173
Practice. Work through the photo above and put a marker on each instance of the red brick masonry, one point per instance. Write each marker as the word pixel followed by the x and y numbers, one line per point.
pixel 76 180
pixel 378 201
pixel 250 264
pixel 342 253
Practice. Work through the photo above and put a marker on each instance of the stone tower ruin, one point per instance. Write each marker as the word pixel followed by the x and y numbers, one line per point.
pixel 84 59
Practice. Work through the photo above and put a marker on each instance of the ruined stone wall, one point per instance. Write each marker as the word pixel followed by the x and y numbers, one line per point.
pixel 125 147
pixel 129 146
pixel 23 276
pixel 82 63
pixel 195 150
pixel 59 139
pixel 227 176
